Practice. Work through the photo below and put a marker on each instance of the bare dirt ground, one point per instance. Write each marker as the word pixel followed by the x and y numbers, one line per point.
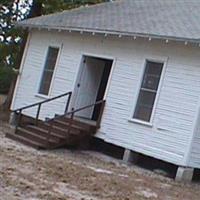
pixel 27 174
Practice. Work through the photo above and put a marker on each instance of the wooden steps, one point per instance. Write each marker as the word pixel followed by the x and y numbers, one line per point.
pixel 60 131
pixel 24 140
pixel 64 131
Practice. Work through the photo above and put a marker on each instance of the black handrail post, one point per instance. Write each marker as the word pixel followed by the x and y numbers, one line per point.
pixel 38 114
pixel 19 119
pixel 68 102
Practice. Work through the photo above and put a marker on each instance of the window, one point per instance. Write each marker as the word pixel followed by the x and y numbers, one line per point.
pixel 48 70
pixel 148 91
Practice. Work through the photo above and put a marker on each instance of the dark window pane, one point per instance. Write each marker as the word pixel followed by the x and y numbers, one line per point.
pixel 146 98
pixel 152 75
pixel 48 70
pixel 148 91
pixel 44 89
pixel 47 76
pixel 143 114
pixel 52 57
pixel 144 105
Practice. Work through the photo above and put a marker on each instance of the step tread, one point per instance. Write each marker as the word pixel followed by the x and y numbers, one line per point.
pixel 24 130
pixel 75 126
pixel 89 122
pixel 57 127
pixel 22 139
pixel 80 122
pixel 37 128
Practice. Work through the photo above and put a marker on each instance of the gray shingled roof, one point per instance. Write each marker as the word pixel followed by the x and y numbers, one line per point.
pixel 172 19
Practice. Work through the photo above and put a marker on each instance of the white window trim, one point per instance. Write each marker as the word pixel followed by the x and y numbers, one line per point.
pixel 60 47
pixel 158 59
pixel 138 121
pixel 42 96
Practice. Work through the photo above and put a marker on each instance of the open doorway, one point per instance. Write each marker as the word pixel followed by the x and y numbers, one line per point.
pixel 91 85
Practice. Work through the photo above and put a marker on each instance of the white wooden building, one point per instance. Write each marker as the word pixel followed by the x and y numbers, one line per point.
pixel 142 57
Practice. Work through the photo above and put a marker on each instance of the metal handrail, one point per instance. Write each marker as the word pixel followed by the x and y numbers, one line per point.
pixel 77 110
pixel 42 102
pixel 39 104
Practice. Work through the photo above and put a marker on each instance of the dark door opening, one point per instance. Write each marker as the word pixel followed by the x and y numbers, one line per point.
pixel 102 87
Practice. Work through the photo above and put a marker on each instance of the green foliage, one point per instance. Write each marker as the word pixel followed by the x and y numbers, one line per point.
pixel 10 12
pixel 6 77
pixel 51 6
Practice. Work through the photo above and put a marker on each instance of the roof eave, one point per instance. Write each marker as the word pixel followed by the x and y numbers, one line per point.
pixel 116 33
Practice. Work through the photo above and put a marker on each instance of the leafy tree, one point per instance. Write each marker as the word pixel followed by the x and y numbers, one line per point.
pixel 10 12
pixel 43 7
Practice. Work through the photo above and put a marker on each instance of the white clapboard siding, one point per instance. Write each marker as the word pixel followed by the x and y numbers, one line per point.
pixel 169 138
pixel 194 154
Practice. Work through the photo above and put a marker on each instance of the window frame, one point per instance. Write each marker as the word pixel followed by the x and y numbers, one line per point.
pixel 38 94
pixel 157 59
